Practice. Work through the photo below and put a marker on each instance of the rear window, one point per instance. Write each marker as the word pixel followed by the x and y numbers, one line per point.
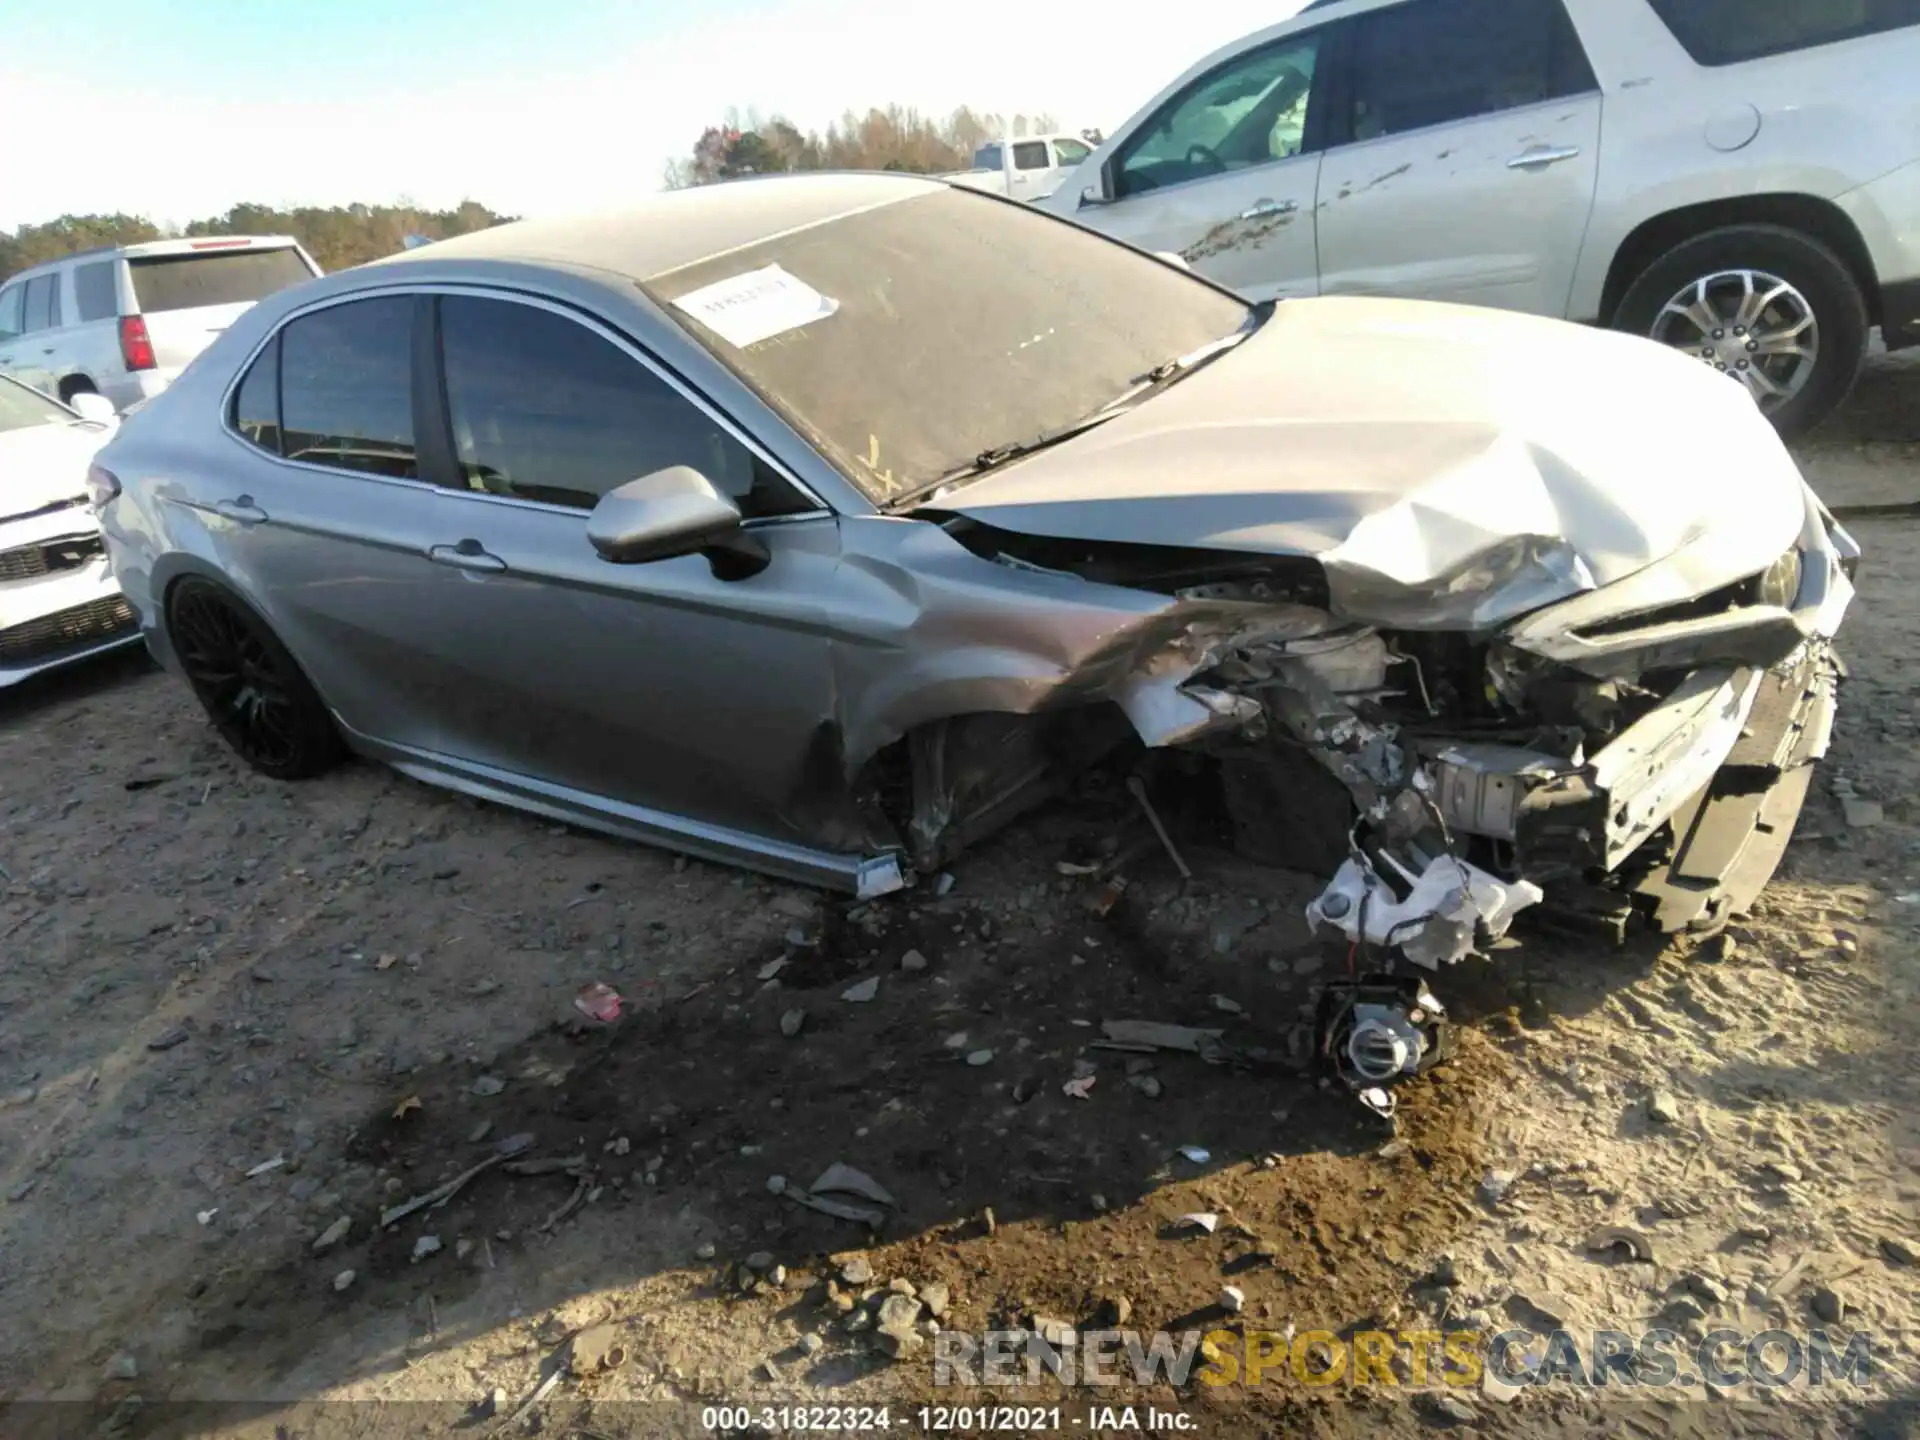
pixel 229 277
pixel 1725 32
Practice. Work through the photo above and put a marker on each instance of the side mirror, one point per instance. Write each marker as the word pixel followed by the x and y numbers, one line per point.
pixel 93 408
pixel 1103 191
pixel 676 511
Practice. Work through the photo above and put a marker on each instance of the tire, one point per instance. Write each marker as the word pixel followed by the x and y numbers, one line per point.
pixel 251 687
pixel 75 385
pixel 1820 282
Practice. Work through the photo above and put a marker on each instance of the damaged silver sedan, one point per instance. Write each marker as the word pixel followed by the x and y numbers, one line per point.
pixel 823 524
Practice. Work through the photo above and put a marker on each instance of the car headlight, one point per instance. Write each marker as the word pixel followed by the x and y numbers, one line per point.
pixel 1781 583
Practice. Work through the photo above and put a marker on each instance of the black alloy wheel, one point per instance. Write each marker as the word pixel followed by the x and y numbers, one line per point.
pixel 249 685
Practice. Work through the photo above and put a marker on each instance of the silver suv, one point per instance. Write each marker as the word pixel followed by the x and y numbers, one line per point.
pixel 122 322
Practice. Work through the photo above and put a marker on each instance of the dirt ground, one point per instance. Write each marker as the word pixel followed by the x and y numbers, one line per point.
pixel 236 1015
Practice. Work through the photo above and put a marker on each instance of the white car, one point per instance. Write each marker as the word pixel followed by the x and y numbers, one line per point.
pixel 1738 180
pixel 124 322
pixel 59 602
pixel 1038 164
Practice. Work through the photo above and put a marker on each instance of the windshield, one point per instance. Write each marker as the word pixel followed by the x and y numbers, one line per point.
pixel 21 407
pixel 906 340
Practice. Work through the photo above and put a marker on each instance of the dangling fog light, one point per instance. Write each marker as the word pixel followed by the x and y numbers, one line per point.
pixel 1781 584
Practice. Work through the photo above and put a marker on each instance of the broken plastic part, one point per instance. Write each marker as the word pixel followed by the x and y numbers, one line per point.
pixel 1449 904
pixel 879 876
pixel 1379 1101
pixel 842 1178
pixel 598 1001
pixel 1380 1030
pixel 1383 1044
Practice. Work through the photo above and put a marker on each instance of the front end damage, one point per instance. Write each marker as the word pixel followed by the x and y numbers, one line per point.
pixel 1614 757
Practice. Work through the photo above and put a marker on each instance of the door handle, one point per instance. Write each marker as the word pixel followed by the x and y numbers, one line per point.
pixel 467 555
pixel 47 351
pixel 241 511
pixel 1543 155
pixel 1260 209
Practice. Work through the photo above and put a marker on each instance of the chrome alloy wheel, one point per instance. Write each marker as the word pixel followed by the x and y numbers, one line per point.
pixel 1751 326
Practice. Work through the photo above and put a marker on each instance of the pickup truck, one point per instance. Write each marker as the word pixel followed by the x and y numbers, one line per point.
pixel 1040 163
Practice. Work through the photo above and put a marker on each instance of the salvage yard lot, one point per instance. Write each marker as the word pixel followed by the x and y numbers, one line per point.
pixel 203 972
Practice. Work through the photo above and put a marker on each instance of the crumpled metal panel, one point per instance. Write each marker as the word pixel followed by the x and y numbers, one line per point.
pixel 1435 461
pixel 924 629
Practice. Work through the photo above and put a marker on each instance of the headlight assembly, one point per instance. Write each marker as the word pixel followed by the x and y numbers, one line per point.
pixel 1781 583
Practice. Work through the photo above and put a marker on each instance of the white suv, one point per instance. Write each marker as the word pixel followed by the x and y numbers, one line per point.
pixel 1739 179
pixel 121 323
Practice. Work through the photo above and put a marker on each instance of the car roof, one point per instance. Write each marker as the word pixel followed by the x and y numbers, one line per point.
pixel 678 228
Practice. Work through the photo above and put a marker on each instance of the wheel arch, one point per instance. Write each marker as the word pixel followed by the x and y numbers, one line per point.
pixel 325 741
pixel 170 572
pixel 1819 219
pixel 74 383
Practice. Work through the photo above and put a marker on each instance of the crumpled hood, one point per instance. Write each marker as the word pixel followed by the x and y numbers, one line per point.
pixel 44 464
pixel 1451 468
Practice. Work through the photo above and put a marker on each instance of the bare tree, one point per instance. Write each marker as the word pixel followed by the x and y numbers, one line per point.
pixel 896 137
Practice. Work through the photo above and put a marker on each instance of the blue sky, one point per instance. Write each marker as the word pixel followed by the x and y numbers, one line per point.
pixel 180 108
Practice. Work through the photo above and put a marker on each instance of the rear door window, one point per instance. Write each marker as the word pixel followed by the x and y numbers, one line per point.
pixel 1437 62
pixel 42 304
pixel 10 299
pixel 1725 32
pixel 95 297
pixel 545 409
pixel 213 277
pixel 1031 155
pixel 346 387
pixel 256 404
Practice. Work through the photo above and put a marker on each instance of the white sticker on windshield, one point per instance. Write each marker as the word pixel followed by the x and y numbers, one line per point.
pixel 749 308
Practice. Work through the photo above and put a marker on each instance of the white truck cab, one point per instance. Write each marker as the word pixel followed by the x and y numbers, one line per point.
pixel 1027 168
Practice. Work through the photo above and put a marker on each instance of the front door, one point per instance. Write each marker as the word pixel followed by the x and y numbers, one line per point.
pixel 1462 155
pixel 1032 171
pixel 1223 175
pixel 659 684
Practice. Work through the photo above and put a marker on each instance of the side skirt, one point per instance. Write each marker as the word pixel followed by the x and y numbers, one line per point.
pixel 863 875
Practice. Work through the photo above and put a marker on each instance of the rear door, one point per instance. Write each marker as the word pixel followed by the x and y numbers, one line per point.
pixel 326 528
pixel 188 297
pixel 1463 147
pixel 61 342
pixel 12 307
pixel 28 355
pixel 1224 174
